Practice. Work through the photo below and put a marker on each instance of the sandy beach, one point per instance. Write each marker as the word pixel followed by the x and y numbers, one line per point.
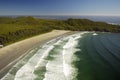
pixel 10 53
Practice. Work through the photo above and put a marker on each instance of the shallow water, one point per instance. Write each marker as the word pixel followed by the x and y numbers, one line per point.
pixel 81 56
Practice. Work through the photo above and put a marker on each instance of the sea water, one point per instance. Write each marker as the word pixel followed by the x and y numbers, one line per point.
pixel 81 56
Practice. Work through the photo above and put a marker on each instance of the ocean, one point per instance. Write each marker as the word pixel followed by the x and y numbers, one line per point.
pixel 115 20
pixel 108 19
pixel 81 56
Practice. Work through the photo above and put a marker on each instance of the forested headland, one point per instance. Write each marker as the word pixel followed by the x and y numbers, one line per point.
pixel 15 29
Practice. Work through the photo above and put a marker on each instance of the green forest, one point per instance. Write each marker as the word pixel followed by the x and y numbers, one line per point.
pixel 15 29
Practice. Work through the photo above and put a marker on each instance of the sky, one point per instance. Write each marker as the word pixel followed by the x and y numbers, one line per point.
pixel 60 7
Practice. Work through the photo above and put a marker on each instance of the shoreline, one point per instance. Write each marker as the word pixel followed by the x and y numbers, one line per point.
pixel 11 54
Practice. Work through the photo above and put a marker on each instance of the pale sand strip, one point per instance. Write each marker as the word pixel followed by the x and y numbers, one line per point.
pixel 9 53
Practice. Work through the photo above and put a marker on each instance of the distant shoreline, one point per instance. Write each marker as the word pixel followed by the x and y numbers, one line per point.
pixel 102 18
pixel 11 54
pixel 16 29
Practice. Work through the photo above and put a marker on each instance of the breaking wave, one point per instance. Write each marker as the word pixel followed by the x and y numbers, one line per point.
pixel 52 61
pixel 81 56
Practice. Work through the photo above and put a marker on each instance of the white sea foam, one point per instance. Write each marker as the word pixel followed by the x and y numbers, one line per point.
pixel 68 51
pixel 58 42
pixel 45 54
pixel 60 68
pixel 26 72
pixel 54 68
pixel 10 76
pixel 36 61
pixel 95 34
pixel 84 32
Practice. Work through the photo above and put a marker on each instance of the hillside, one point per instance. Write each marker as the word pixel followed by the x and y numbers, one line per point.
pixel 15 29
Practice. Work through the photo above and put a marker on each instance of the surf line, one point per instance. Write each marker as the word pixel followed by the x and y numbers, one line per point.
pixel 27 71
pixel 69 49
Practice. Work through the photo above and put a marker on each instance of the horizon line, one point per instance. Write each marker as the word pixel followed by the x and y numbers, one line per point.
pixel 59 15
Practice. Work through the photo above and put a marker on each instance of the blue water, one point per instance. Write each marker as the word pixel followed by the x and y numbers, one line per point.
pixel 81 56
pixel 100 57
pixel 108 19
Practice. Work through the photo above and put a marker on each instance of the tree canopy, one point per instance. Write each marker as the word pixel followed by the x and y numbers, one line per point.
pixel 15 29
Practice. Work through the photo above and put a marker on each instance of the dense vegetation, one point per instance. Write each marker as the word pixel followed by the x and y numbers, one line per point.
pixel 14 29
